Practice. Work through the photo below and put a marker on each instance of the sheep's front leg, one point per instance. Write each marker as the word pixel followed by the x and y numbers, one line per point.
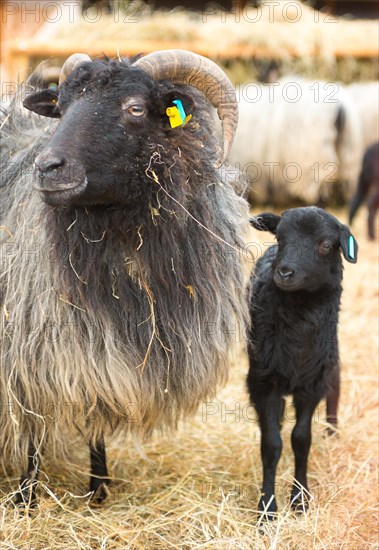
pixel 301 440
pixel 99 474
pixel 268 403
pixel 26 495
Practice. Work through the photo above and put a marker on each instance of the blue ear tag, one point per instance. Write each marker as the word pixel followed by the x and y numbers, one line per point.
pixel 181 110
pixel 351 247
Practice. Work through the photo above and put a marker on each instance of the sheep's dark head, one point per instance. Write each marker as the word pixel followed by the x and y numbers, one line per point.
pixel 309 244
pixel 113 118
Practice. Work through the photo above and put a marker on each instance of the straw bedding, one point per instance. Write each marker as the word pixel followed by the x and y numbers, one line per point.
pixel 299 38
pixel 199 488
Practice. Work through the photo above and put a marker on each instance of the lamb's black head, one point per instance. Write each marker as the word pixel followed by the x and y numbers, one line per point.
pixel 113 118
pixel 309 244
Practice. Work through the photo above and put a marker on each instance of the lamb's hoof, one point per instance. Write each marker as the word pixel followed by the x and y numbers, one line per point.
pixel 299 502
pixel 99 490
pixel 267 509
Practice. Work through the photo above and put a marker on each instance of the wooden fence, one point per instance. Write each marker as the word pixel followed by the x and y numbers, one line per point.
pixel 24 42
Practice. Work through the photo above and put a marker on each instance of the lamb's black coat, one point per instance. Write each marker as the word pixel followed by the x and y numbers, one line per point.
pixel 287 326
pixel 293 347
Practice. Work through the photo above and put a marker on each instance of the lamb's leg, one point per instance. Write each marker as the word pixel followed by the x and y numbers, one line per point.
pixel 332 400
pixel 269 405
pixel 99 473
pixel 26 495
pixel 301 440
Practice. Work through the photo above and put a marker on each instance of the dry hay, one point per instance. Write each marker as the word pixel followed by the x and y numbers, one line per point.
pixel 293 28
pixel 291 32
pixel 199 488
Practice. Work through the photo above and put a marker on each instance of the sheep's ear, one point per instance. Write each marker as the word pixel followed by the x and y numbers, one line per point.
pixel 43 103
pixel 176 93
pixel 266 222
pixel 349 245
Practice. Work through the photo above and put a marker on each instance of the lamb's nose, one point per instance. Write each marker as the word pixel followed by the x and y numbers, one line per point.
pixel 285 272
pixel 46 162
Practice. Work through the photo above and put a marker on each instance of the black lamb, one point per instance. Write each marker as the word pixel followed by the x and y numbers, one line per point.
pixel 293 347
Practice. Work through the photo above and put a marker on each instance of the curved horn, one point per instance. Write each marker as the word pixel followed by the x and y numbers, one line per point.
pixel 185 67
pixel 70 64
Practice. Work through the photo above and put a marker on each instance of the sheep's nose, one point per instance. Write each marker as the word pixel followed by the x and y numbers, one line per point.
pixel 285 272
pixel 46 162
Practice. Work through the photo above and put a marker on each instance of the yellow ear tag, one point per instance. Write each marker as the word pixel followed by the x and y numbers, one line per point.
pixel 174 116
pixel 177 115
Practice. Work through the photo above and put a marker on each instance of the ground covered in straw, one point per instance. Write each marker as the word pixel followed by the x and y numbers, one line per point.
pixel 199 488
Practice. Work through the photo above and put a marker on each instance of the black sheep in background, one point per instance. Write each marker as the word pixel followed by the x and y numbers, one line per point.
pixel 105 5
pixel 293 347
pixel 368 188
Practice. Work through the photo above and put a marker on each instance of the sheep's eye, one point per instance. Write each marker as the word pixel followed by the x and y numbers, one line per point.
pixel 136 110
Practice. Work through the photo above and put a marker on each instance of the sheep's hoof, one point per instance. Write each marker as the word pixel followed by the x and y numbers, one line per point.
pixel 26 496
pixel 331 431
pixel 99 490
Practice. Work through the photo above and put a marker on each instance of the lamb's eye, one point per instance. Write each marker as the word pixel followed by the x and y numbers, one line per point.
pixel 325 247
pixel 136 110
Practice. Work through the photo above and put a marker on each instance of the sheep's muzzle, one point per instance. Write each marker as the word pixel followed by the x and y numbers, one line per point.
pixel 57 179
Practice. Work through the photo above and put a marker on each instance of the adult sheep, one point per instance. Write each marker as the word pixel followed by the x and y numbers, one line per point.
pixel 117 295
pixel 297 141
pixel 365 99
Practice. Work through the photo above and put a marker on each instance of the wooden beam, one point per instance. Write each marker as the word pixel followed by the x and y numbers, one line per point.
pixel 23 53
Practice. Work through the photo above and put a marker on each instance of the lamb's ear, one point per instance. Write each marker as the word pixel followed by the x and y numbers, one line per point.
pixel 349 245
pixel 266 222
pixel 43 103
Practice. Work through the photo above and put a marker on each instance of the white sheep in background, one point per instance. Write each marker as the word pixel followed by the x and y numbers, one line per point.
pixel 365 97
pixel 296 139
